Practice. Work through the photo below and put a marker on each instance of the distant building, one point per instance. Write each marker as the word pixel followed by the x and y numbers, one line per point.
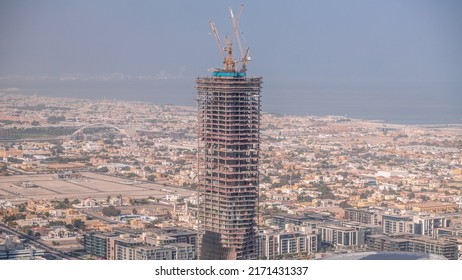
pixel 178 235
pixel 435 207
pixel 451 231
pixel 426 224
pixel 12 248
pixel 59 233
pixel 158 244
pixel 282 220
pixel 388 174
pixel 124 247
pixel 97 243
pixel 446 247
pixel 343 235
pixel 274 245
pixel 385 256
pixel 11 153
pixel 363 216
pixel 397 224
pixel 176 251
pixel 308 218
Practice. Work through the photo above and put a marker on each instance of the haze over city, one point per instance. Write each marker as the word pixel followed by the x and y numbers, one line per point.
pixel 396 61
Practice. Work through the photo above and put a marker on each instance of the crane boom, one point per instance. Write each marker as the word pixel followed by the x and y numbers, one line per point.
pixel 217 38
pixel 235 21
pixel 245 59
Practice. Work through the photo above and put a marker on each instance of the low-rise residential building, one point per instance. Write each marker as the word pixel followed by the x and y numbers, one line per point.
pixel 274 244
pixel 365 216
pixel 158 244
pixel 345 235
pixel 444 246
pixel 397 224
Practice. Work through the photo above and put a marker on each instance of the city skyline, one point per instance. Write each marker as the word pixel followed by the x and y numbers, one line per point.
pixel 333 161
pixel 121 178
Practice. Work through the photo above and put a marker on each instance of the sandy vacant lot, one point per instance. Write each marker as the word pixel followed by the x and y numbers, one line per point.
pixel 91 185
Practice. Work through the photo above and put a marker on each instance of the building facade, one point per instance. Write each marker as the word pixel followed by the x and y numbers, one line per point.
pixel 397 224
pixel 362 216
pixel 157 244
pixel 228 161
pixel 346 235
pixel 277 245
pixel 97 243
pixel 426 224
pixel 445 246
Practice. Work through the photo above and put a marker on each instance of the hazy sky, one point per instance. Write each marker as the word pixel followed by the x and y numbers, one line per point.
pixel 323 53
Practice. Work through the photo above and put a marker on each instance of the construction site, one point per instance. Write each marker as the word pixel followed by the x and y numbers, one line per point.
pixel 228 156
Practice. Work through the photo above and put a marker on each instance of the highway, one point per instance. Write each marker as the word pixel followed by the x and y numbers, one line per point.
pixel 36 243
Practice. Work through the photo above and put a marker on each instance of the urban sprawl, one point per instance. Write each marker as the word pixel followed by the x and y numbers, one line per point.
pixel 106 179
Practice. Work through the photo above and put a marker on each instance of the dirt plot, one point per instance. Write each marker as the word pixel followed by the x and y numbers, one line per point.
pixel 90 185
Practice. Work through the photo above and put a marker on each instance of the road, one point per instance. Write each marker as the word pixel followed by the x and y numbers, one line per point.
pixel 35 242
pixel 94 215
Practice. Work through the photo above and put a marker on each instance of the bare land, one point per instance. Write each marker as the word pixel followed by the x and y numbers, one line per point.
pixel 91 185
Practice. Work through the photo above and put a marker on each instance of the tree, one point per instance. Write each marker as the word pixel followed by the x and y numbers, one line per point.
pixel 111 211
pixel 56 150
pixel 151 178
pixel 153 224
pixel 103 169
pixel 344 204
pixel 3 167
pixel 22 207
pixel 35 123
pixel 55 119
pixel 305 198
pixel 14 160
pixel 134 211
pixel 63 204
pixel 13 217
pixel 57 223
pixel 79 224
pixel 425 198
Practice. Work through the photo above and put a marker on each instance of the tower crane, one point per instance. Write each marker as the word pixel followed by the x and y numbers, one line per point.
pixel 226 51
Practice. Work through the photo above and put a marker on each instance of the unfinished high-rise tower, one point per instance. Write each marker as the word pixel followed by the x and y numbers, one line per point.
pixel 228 156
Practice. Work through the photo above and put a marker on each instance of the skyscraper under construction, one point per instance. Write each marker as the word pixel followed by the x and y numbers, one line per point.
pixel 228 156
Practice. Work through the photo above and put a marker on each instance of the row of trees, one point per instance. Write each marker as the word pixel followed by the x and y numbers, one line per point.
pixel 65 204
